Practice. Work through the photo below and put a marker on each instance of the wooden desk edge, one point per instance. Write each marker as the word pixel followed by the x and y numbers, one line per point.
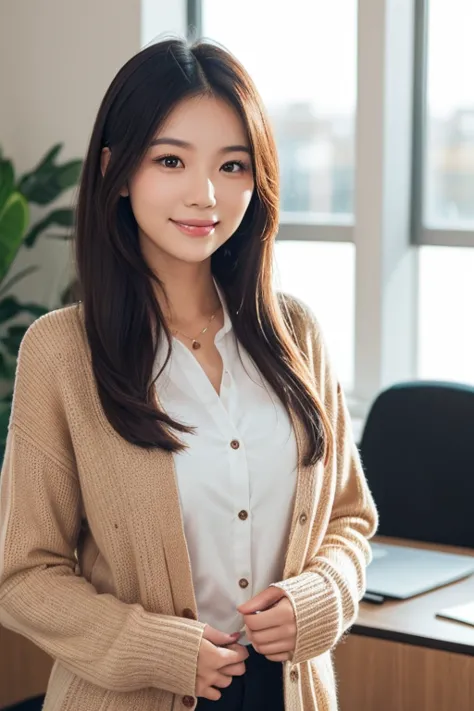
pixel 412 639
pixel 418 640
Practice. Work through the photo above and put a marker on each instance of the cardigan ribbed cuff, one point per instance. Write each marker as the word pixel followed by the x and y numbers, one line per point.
pixel 164 653
pixel 316 603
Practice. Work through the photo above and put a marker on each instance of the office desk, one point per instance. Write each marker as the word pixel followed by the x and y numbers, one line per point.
pixel 400 657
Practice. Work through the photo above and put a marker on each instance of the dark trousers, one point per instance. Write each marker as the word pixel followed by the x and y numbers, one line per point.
pixel 259 689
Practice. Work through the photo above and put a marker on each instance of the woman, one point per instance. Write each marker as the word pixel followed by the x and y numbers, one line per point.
pixel 180 457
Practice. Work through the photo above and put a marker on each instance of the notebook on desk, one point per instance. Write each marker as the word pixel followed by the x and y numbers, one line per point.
pixel 402 572
pixel 459 613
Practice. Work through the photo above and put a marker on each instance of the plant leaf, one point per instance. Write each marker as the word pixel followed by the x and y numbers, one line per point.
pixel 35 310
pixel 4 424
pixel 69 174
pixel 11 307
pixel 47 160
pixel 48 180
pixel 15 279
pixel 13 223
pixel 63 218
pixel 14 338
pixel 4 367
pixel 7 181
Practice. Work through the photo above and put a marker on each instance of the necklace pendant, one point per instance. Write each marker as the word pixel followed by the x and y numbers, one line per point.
pixel 196 345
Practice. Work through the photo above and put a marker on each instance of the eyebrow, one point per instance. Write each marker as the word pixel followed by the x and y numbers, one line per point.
pixel 185 144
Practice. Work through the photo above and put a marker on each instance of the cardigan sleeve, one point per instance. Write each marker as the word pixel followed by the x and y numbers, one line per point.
pixel 107 642
pixel 326 595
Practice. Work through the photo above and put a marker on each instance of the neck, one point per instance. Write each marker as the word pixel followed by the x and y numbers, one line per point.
pixel 191 295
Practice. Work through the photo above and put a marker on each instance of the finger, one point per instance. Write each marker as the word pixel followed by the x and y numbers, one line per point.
pixel 210 693
pixel 262 601
pixel 285 657
pixel 273 634
pixel 234 669
pixel 284 645
pixel 241 649
pixel 226 656
pixel 221 680
pixel 276 616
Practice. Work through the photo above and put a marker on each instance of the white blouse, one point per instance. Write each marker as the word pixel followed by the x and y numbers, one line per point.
pixel 236 480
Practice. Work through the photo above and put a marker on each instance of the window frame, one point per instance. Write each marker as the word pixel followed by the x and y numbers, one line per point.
pixel 387 226
pixel 446 235
pixel 326 228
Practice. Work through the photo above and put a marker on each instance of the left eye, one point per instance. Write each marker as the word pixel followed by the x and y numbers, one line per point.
pixel 169 161
pixel 229 167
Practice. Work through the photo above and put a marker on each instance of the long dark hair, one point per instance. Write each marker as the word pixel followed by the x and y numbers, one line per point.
pixel 121 310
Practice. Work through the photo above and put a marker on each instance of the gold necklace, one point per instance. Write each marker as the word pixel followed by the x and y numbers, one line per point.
pixel 195 344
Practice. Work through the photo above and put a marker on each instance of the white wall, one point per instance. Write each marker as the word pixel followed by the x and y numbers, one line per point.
pixel 57 58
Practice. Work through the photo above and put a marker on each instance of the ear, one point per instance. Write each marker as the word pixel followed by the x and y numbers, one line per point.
pixel 104 162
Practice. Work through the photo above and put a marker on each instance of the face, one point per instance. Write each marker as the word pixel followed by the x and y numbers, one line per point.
pixel 194 185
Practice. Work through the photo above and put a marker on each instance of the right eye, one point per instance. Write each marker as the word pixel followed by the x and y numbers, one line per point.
pixel 168 161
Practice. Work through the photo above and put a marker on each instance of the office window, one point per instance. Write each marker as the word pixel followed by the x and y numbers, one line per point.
pixel 449 168
pixel 446 314
pixel 302 56
pixel 303 59
pixel 322 275
pixel 446 276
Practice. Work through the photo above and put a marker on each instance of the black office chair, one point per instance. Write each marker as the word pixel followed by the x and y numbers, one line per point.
pixel 417 449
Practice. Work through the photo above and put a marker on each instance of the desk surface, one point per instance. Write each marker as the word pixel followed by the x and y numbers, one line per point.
pixel 413 621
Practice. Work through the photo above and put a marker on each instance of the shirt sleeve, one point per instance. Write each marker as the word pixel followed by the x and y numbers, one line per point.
pixel 115 645
pixel 326 595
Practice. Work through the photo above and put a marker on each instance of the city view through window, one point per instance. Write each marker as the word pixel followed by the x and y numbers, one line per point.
pixel 305 68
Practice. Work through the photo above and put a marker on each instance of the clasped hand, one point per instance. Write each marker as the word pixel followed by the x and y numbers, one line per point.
pixel 272 632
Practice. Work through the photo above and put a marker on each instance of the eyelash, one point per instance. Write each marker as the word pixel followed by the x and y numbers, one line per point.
pixel 242 165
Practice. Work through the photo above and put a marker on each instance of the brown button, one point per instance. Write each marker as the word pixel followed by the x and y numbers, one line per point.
pixel 187 612
pixel 303 518
pixel 188 701
pixel 235 444
pixel 243 515
pixel 294 675
pixel 244 583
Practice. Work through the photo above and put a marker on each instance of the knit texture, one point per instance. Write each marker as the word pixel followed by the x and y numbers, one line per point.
pixel 94 566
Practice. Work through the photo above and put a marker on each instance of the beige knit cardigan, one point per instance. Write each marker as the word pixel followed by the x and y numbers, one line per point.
pixel 94 566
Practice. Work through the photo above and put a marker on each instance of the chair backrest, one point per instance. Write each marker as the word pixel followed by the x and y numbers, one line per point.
pixel 417 449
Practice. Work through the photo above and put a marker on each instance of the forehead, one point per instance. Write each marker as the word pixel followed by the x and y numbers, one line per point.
pixel 205 121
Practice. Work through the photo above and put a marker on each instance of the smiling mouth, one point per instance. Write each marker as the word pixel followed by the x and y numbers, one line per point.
pixel 196 228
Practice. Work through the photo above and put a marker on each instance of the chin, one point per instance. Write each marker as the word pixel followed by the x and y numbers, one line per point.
pixel 187 250
pixel 200 250
pixel 193 256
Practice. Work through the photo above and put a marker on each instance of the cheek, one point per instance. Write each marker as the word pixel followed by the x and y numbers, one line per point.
pixel 236 202
pixel 150 196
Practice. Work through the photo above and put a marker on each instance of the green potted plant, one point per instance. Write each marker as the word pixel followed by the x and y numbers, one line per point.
pixel 42 186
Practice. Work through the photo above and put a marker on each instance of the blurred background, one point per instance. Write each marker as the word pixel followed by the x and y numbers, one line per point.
pixel 372 102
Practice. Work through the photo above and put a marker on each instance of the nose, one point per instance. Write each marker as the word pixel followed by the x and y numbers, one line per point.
pixel 201 193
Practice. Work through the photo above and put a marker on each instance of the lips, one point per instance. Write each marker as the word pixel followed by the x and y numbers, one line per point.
pixel 195 228
pixel 196 223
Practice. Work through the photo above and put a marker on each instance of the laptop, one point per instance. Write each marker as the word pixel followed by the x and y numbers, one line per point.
pixel 401 572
